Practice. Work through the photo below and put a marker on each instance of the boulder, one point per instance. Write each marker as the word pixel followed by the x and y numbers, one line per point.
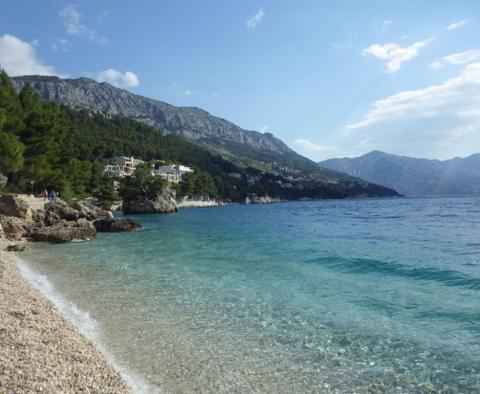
pixel 17 248
pixel 115 225
pixel 12 205
pixel 38 216
pixel 65 231
pixel 163 203
pixel 3 180
pixel 88 209
pixel 50 218
pixel 63 210
pixel 13 228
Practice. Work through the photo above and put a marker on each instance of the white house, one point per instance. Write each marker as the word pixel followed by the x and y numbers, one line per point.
pixel 121 166
pixel 171 172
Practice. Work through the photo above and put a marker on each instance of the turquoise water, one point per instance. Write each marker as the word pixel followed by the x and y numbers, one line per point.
pixel 327 296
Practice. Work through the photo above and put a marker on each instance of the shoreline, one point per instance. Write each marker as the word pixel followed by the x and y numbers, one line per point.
pixel 41 348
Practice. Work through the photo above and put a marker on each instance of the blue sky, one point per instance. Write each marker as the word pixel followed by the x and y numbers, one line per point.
pixel 331 79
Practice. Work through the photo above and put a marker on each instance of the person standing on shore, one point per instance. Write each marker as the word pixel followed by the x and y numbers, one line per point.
pixel 45 194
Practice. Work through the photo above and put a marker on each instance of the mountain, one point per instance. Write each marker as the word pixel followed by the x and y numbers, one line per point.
pixel 414 177
pixel 65 146
pixel 243 147
pixel 44 144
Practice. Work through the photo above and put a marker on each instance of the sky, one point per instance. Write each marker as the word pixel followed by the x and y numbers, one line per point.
pixel 330 78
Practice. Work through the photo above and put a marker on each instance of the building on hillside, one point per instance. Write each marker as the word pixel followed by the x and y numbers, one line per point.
pixel 171 172
pixel 121 166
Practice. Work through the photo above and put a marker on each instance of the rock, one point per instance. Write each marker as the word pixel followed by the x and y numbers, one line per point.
pixel 254 199
pixel 13 227
pixel 115 225
pixel 164 203
pixel 17 248
pixel 12 205
pixel 3 180
pixel 50 218
pixel 88 209
pixel 63 210
pixel 65 231
pixel 38 216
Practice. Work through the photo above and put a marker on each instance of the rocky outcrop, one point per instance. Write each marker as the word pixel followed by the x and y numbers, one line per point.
pixel 163 203
pixel 17 248
pixel 254 199
pixel 64 211
pixel 57 222
pixel 115 225
pixel 12 205
pixel 13 228
pixel 88 209
pixel 65 231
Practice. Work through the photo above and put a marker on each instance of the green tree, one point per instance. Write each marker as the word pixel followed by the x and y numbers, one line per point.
pixel 105 192
pixel 141 185
pixel 11 153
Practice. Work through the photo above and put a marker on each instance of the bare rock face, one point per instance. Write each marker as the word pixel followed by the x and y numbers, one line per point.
pixel 254 199
pixel 88 209
pixel 115 225
pixel 65 231
pixel 11 205
pixel 64 211
pixel 188 122
pixel 13 228
pixel 163 203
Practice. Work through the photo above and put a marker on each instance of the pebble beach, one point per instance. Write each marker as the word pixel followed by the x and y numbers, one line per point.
pixel 42 351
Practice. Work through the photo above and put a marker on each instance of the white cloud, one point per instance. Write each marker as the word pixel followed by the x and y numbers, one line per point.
pixel 120 79
pixel 264 129
pixel 256 19
pixel 18 57
pixel 394 54
pixel 457 25
pixel 72 21
pixel 313 147
pixel 436 65
pixel 465 57
pixel 437 115
pixel 418 101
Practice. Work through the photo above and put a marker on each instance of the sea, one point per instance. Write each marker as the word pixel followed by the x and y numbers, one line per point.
pixel 330 296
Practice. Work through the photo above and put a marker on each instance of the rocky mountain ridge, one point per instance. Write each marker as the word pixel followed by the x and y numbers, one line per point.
pixel 189 122
pixel 414 177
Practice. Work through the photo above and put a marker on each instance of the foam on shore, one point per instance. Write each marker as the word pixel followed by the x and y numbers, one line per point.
pixel 83 322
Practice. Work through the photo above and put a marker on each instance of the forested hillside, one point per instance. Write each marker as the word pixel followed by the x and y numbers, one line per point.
pixel 46 144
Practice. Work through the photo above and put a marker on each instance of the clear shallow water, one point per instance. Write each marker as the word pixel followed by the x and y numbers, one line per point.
pixel 327 296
